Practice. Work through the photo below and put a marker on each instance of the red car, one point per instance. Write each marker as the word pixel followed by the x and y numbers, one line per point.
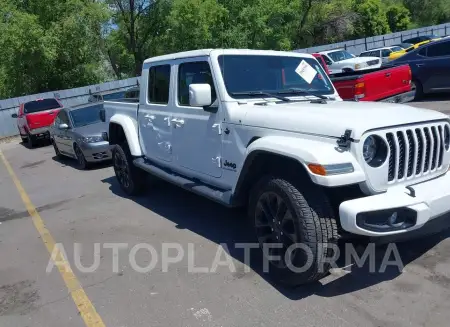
pixel 35 117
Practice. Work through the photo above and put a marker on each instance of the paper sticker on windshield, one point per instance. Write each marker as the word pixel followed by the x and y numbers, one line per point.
pixel 306 71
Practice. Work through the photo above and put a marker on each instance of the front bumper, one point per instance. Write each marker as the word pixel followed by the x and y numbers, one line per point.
pixel 420 203
pixel 95 152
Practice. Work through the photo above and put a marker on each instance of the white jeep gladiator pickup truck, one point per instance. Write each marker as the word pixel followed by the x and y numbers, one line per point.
pixel 267 130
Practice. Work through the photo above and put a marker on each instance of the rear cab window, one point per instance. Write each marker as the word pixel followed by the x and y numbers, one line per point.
pixel 40 105
pixel 159 84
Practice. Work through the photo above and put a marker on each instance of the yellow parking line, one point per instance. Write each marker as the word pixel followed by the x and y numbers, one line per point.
pixel 84 305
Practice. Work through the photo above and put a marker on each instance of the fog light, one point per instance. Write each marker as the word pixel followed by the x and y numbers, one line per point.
pixel 387 220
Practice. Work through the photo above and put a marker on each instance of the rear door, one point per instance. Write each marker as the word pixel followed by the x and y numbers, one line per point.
pixel 154 115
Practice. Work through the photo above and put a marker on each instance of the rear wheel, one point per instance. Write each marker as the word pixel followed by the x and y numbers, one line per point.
pixel 296 229
pixel 31 142
pixel 131 179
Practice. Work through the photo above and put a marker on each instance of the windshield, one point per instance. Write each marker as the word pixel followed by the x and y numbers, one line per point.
pixel 40 105
pixel 272 74
pixel 114 96
pixel 86 116
pixel 340 55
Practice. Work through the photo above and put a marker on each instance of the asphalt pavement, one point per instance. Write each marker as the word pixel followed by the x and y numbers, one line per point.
pixel 86 211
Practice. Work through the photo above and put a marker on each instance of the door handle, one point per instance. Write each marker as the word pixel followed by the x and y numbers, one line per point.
pixel 388 75
pixel 178 122
pixel 150 117
pixel 420 65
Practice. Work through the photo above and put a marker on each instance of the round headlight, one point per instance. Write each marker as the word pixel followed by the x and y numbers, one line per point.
pixel 447 137
pixel 375 151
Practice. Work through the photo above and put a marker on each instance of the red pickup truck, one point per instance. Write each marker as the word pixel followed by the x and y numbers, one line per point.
pixel 34 119
pixel 379 84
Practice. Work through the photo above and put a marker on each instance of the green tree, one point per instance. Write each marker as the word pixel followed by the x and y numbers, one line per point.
pixel 372 18
pixel 398 17
pixel 195 24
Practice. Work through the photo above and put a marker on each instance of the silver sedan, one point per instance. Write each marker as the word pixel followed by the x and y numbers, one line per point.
pixel 79 133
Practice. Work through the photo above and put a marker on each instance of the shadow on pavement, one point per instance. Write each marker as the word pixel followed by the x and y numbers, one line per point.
pixel 221 225
pixel 66 161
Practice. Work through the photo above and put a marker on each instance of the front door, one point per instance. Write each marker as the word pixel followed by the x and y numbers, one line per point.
pixel 437 67
pixel 197 135
pixel 155 129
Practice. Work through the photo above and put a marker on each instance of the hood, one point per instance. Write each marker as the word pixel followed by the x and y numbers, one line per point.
pixel 357 60
pixel 333 118
pixel 92 130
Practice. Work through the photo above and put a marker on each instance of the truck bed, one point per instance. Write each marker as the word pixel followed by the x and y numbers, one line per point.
pixel 378 84
pixel 126 107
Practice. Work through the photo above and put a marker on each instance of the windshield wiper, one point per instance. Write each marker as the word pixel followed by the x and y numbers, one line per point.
pixel 267 94
pixel 297 90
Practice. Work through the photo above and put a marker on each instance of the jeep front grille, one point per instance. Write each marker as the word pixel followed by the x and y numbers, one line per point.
pixel 415 151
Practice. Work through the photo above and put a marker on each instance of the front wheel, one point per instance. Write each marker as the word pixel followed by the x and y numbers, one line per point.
pixel 296 230
pixel 131 179
pixel 57 152
pixel 81 160
pixel 417 86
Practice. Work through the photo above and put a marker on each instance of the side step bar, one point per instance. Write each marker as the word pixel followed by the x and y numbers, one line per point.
pixel 220 196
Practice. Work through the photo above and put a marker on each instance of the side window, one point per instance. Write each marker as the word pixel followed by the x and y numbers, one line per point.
pixel 365 54
pixel 327 60
pixel 439 50
pixel 193 73
pixel 386 53
pixel 159 84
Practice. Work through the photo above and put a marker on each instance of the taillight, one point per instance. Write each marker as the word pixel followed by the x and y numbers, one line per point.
pixel 409 74
pixel 360 90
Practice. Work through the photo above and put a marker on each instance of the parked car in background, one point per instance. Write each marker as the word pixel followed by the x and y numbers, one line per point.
pixel 339 61
pixel 78 133
pixel 403 45
pixel 34 119
pixel 132 93
pixel 382 53
pixel 430 66
pixel 398 54
pixel 421 38
pixel 391 84
pixel 106 95
pixel 322 62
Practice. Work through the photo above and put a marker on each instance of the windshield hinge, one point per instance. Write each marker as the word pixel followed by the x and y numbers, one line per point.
pixel 345 140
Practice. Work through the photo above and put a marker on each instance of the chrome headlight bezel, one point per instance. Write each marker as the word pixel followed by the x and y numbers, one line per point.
pixel 92 139
pixel 375 151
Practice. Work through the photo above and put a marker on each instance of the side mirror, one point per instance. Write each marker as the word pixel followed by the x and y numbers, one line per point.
pixel 199 95
pixel 14 116
pixel 63 126
pixel 102 115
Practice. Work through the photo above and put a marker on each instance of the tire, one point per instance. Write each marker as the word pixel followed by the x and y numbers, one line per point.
pixel 24 139
pixel 55 147
pixel 415 84
pixel 308 221
pixel 131 179
pixel 31 142
pixel 81 160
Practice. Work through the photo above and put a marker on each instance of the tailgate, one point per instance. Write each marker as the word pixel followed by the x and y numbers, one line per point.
pixel 42 118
